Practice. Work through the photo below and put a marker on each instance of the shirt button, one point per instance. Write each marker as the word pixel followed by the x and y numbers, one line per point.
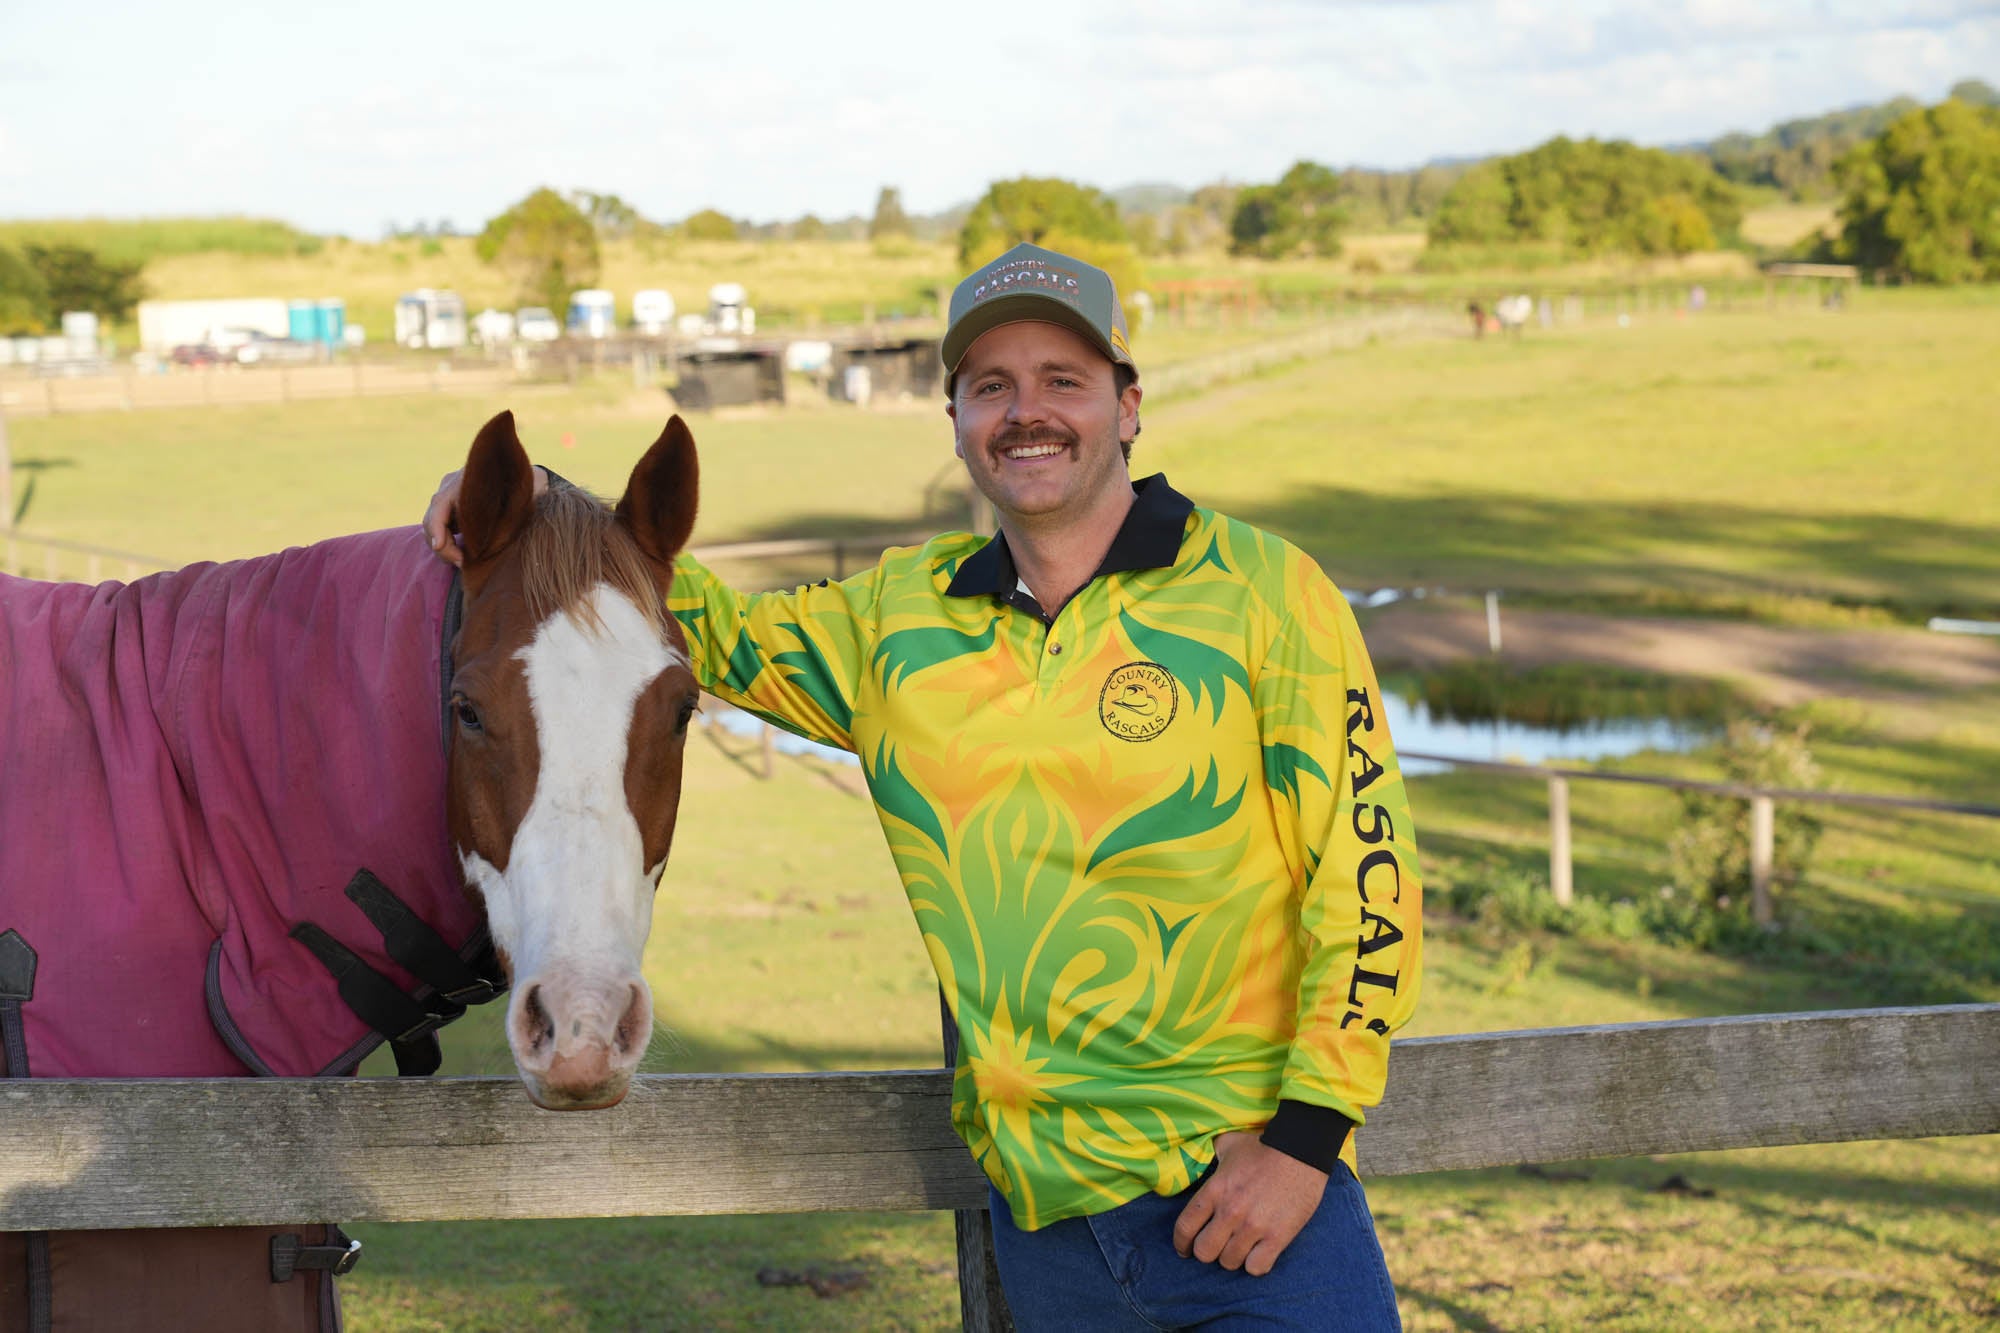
pixel 1055 650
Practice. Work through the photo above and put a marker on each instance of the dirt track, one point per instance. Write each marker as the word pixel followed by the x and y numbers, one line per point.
pixel 1782 665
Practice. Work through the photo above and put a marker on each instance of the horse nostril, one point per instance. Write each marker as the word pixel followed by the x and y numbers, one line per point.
pixel 635 1025
pixel 540 1027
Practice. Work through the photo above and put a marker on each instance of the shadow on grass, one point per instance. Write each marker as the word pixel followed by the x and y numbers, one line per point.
pixel 675 1051
pixel 1832 949
pixel 1480 539
pixel 1461 1316
pixel 641 1272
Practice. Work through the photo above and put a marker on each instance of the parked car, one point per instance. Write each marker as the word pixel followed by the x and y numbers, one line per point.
pixel 262 349
pixel 536 324
pixel 195 354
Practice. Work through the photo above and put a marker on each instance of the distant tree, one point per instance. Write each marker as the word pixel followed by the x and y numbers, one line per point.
pixel 1589 197
pixel 1797 156
pixel 710 225
pixel 809 228
pixel 1978 92
pixel 614 219
pixel 889 219
pixel 1923 200
pixel 1301 213
pixel 1479 209
pixel 77 279
pixel 1033 209
pixel 546 245
pixel 24 297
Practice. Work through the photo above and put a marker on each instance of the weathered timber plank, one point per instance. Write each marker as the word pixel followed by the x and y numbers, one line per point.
pixel 1628 1089
pixel 103 1153
pixel 168 1152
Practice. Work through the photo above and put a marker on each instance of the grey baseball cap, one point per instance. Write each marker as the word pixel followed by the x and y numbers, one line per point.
pixel 1030 283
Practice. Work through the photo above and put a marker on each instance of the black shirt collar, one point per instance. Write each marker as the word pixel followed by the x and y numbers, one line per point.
pixel 1149 538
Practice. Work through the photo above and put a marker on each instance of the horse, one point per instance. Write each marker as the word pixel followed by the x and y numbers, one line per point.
pixel 1513 312
pixel 258 818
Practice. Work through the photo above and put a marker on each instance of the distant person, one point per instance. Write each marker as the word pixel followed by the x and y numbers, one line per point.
pixel 1130 758
pixel 1478 313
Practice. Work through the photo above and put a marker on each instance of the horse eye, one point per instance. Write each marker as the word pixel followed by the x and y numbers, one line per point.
pixel 468 716
pixel 688 710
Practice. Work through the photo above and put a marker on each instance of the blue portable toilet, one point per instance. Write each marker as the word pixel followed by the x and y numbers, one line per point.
pixel 332 320
pixel 323 321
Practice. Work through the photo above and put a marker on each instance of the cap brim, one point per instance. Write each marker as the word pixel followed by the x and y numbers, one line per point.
pixel 1020 308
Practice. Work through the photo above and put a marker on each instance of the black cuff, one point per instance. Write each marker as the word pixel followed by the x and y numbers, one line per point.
pixel 1313 1134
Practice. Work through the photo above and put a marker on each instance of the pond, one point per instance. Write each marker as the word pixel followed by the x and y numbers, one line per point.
pixel 1415 729
pixel 1418 731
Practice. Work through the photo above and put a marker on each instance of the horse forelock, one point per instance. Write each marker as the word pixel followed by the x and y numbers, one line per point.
pixel 575 544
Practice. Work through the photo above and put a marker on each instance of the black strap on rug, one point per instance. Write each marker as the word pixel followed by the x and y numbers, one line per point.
pixel 408 1022
pixel 454 618
pixel 421 951
pixel 17 987
pixel 18 961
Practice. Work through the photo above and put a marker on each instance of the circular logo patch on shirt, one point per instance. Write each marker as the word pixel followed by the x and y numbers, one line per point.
pixel 1138 701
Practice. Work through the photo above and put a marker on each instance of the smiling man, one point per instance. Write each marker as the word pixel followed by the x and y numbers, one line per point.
pixel 1130 759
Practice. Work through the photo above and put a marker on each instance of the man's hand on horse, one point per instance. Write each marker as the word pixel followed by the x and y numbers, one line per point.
pixel 1251 1208
pixel 441 519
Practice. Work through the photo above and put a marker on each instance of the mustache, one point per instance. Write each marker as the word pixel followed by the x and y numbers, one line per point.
pixel 1015 436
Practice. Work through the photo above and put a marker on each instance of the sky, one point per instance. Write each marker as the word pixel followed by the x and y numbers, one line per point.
pixel 351 117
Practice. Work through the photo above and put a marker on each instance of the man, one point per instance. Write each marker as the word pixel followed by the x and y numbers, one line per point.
pixel 1130 759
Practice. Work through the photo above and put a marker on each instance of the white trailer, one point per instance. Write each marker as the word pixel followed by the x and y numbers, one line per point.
pixel 428 317
pixel 165 325
pixel 652 311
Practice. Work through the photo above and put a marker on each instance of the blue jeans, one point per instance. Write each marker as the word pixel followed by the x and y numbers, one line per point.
pixel 1118 1270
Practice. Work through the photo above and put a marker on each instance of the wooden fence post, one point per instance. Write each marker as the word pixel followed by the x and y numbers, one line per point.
pixel 1559 858
pixel 1493 622
pixel 1763 822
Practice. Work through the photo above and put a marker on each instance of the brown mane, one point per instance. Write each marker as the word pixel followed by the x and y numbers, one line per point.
pixel 575 543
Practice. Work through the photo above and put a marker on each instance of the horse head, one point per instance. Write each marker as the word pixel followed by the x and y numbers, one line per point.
pixel 569 708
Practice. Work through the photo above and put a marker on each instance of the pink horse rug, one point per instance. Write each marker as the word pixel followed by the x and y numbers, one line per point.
pixel 222 818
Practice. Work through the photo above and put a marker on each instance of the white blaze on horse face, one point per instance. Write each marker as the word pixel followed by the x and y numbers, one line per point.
pixel 574 906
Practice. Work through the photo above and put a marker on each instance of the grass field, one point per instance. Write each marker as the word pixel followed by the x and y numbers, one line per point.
pixel 1721 459
pixel 1731 461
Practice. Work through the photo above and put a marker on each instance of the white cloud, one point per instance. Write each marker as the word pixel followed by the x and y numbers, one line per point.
pixel 384 109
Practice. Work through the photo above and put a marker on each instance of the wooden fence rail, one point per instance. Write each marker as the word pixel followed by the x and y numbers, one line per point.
pixel 156 1153
pixel 1763 813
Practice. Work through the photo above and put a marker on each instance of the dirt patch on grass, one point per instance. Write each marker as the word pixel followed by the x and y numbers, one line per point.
pixel 1781 665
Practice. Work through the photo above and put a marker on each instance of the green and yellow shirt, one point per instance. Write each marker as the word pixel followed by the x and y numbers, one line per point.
pixel 1158 845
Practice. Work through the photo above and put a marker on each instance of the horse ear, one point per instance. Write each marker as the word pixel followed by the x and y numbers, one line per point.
pixel 497 496
pixel 659 501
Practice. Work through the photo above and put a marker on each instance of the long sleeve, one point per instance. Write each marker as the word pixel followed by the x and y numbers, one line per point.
pixel 795 658
pixel 1342 804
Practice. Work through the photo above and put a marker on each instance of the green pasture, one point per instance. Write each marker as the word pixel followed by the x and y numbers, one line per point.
pixel 1761 463
pixel 1728 461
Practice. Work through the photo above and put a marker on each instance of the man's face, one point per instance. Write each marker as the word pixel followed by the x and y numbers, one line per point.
pixel 1038 418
